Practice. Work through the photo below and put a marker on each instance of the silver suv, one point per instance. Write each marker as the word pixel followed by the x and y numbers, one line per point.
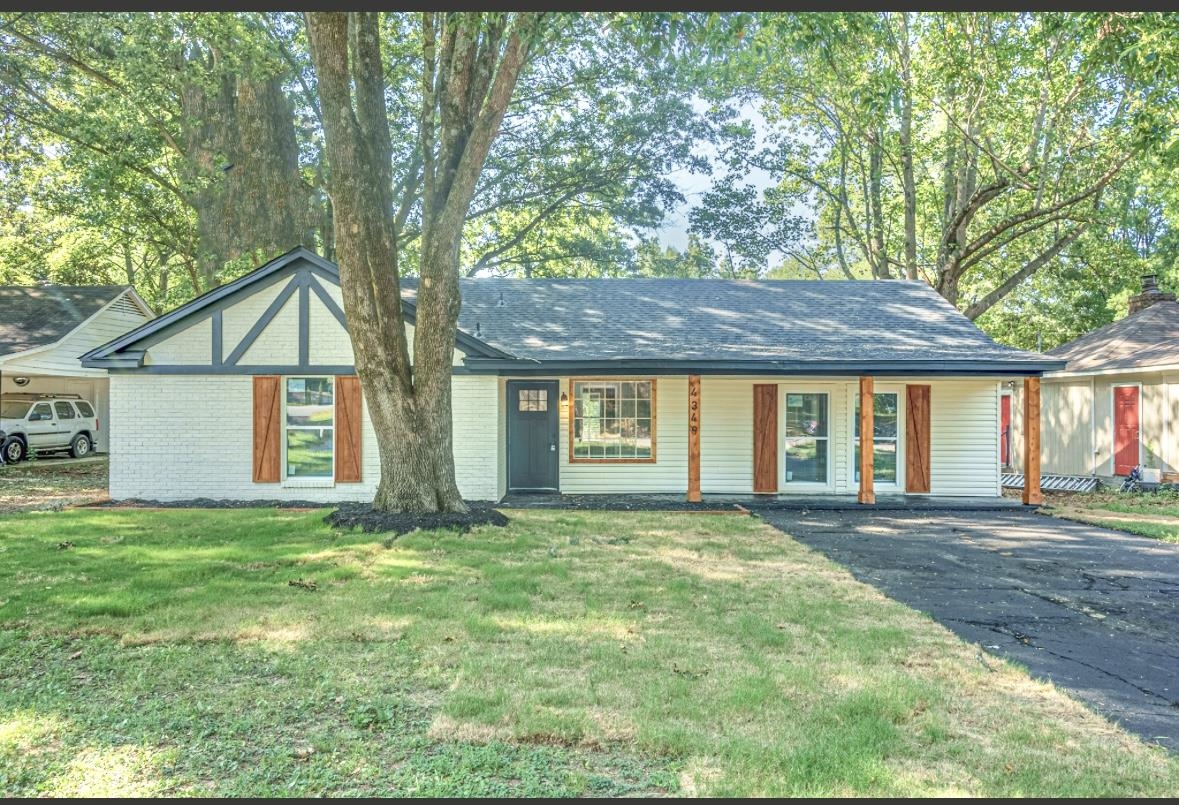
pixel 46 423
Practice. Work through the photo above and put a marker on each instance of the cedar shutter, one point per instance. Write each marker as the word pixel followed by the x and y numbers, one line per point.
pixel 267 429
pixel 917 439
pixel 765 438
pixel 348 434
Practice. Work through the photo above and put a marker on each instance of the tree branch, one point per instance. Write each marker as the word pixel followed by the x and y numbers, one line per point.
pixel 1029 268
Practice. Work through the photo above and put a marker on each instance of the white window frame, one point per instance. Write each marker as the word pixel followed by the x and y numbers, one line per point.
pixel 803 487
pixel 315 481
pixel 853 396
pixel 1113 426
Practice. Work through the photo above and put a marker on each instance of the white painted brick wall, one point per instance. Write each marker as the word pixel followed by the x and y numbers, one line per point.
pixel 191 436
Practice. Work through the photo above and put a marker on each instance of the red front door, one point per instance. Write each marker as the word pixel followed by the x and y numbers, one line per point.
pixel 1005 430
pixel 1125 429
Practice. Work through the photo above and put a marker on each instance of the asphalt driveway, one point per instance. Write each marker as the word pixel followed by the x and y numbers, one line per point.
pixel 1093 610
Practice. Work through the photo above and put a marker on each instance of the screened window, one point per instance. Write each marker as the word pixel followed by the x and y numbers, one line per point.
pixel 613 420
pixel 806 438
pixel 310 427
pixel 884 438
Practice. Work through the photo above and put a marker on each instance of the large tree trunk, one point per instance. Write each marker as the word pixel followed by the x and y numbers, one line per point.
pixel 467 85
pixel 243 159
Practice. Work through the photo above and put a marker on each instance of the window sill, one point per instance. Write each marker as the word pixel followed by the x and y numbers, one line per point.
pixel 309 483
pixel 611 461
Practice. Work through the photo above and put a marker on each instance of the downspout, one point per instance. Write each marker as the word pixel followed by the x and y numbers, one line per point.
pixel 1093 421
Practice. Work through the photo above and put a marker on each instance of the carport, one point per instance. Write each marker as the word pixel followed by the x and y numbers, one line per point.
pixel 45 329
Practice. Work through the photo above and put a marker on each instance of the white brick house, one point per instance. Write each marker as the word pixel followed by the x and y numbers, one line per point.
pixel 580 386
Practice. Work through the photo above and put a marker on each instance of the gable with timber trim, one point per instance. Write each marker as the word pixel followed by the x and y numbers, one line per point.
pixel 289 322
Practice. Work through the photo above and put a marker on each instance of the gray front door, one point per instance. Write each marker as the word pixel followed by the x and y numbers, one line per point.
pixel 532 434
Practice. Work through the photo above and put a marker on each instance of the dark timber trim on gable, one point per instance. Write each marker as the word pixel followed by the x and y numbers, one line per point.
pixel 264 321
pixel 300 267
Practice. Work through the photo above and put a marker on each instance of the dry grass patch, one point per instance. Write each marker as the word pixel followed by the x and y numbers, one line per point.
pixel 49 483
pixel 570 653
pixel 1154 515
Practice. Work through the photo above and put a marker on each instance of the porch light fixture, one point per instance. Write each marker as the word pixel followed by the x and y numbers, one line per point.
pixel 564 403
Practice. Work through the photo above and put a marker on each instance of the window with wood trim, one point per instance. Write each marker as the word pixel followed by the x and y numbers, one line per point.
pixel 612 421
pixel 310 427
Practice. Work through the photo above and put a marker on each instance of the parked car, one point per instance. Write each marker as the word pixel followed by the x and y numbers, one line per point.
pixel 46 423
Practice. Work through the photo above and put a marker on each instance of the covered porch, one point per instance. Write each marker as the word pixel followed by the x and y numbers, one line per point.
pixel 897 414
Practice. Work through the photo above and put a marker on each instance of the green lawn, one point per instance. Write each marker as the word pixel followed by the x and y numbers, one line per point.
pixel 1148 514
pixel 167 652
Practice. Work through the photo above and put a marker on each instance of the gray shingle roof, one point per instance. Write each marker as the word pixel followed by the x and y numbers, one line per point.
pixel 36 316
pixel 704 319
pixel 1142 340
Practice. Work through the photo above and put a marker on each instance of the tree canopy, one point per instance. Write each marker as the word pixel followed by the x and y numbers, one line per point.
pixel 1024 164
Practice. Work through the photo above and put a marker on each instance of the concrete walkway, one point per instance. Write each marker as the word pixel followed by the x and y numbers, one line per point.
pixel 1093 610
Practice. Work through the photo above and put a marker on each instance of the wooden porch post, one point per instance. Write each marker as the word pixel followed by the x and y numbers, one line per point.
pixel 867 443
pixel 1031 442
pixel 694 438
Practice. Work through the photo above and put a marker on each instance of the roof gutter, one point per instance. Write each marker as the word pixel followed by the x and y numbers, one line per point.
pixel 1127 370
pixel 762 367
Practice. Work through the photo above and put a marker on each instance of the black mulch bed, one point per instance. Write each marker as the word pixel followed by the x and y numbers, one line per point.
pixel 207 503
pixel 616 503
pixel 362 515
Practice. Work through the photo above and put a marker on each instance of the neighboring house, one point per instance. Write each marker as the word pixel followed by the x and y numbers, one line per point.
pixel 1115 404
pixel 581 386
pixel 45 329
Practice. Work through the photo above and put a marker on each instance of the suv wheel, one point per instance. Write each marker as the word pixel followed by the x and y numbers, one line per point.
pixel 80 446
pixel 14 450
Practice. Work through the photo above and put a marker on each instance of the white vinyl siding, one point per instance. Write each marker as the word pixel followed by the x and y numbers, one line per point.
pixel 964 437
pixel 963 425
pixel 1076 430
pixel 726 435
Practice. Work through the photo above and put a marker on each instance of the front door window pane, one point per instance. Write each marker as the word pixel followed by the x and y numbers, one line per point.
pixel 806 438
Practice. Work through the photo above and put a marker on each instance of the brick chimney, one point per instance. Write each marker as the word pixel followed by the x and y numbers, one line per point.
pixel 1150 294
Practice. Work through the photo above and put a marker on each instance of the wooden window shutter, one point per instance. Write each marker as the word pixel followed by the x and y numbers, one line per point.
pixel 917 439
pixel 765 438
pixel 267 429
pixel 348 430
